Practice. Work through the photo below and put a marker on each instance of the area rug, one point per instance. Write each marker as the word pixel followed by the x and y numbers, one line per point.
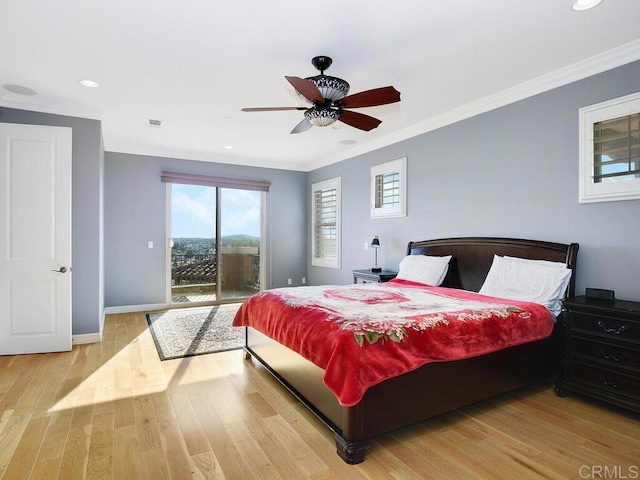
pixel 185 332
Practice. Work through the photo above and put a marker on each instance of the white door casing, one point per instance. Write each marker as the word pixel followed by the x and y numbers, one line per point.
pixel 35 238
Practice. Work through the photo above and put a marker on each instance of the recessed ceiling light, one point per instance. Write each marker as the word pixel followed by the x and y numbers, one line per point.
pixel 89 83
pixel 347 142
pixel 579 5
pixel 228 147
pixel 19 89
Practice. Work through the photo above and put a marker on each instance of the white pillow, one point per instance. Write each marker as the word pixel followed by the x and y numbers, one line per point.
pixel 539 262
pixel 424 269
pixel 536 281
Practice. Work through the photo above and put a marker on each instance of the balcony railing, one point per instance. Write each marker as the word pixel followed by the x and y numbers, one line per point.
pixel 240 269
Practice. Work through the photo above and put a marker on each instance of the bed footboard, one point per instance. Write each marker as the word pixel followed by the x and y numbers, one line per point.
pixel 431 390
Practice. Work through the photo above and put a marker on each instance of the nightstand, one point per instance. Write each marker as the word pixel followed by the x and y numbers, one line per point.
pixel 601 351
pixel 367 276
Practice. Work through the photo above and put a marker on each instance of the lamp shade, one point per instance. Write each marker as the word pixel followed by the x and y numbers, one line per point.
pixel 331 88
pixel 375 243
pixel 322 116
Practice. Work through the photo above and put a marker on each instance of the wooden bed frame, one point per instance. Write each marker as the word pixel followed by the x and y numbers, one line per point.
pixel 435 388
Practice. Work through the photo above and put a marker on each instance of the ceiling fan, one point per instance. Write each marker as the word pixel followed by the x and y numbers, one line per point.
pixel 329 99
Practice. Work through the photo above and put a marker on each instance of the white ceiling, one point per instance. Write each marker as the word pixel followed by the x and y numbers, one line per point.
pixel 195 63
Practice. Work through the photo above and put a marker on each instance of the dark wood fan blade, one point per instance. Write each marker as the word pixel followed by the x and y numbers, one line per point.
pixel 306 88
pixel 303 126
pixel 359 120
pixel 271 109
pixel 372 98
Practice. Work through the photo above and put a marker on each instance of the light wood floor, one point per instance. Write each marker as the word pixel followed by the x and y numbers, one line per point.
pixel 115 411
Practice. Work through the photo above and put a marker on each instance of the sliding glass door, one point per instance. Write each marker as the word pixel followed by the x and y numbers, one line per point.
pixel 215 243
pixel 239 257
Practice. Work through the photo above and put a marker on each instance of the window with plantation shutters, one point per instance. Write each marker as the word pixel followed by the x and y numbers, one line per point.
pixel 388 189
pixel 616 149
pixel 325 201
pixel 610 150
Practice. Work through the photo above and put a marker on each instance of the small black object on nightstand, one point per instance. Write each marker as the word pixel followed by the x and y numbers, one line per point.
pixel 599 294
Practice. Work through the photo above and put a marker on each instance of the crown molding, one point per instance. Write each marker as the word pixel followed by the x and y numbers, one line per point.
pixel 608 60
pixel 56 108
pixel 211 157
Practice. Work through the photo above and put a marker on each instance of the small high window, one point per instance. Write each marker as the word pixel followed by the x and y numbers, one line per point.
pixel 389 189
pixel 610 150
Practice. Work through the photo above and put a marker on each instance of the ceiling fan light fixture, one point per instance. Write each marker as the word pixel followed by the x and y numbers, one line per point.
pixel 331 88
pixel 322 116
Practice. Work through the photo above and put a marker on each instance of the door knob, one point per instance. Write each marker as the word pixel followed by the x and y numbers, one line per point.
pixel 61 270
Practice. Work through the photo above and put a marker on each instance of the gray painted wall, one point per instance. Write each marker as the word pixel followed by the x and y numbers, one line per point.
pixel 135 212
pixel 86 215
pixel 511 172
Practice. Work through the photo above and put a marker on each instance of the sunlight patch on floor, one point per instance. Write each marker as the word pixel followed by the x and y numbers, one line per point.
pixel 124 374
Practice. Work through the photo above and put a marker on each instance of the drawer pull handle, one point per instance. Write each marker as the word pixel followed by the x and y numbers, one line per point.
pixel 615 331
pixel 612 356
pixel 615 358
pixel 608 383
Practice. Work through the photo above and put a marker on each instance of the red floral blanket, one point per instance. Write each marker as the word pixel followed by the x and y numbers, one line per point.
pixel 363 334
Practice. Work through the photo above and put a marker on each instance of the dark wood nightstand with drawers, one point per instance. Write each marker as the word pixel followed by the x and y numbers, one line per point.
pixel 601 351
pixel 367 276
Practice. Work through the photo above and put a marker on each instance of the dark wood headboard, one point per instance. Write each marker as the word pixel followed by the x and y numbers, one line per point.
pixel 472 256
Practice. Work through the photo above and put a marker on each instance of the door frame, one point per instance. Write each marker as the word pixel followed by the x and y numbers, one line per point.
pixel 168 239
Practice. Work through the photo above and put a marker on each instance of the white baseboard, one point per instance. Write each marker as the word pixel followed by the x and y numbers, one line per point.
pixel 86 338
pixel 135 308
pixel 97 337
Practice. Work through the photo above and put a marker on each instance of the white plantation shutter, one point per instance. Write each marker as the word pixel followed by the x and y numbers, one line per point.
pixel 387 190
pixel 616 149
pixel 325 227
pixel 325 204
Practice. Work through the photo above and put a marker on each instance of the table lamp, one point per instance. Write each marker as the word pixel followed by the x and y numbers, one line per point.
pixel 375 244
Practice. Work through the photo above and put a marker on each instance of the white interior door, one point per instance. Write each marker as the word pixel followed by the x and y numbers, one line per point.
pixel 35 239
